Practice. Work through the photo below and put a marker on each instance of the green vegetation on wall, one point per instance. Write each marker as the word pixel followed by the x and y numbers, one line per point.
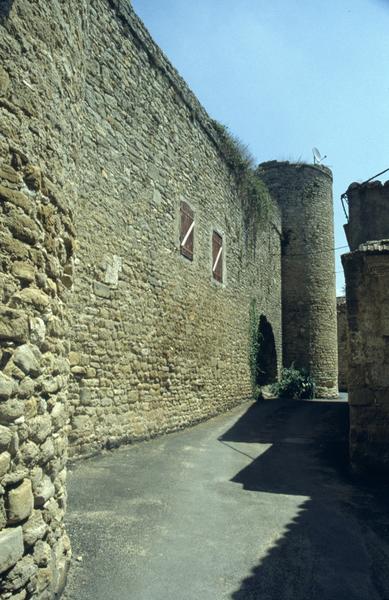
pixel 255 197
pixel 253 346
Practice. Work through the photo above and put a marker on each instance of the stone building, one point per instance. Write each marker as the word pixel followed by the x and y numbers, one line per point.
pixel 138 271
pixel 366 270
pixel 304 193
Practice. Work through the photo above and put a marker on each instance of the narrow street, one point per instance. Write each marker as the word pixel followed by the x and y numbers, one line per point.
pixel 253 504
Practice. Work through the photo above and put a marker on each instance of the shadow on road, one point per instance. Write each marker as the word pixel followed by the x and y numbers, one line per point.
pixel 337 545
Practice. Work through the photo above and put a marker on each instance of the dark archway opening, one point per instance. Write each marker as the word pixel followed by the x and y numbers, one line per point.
pixel 5 8
pixel 266 363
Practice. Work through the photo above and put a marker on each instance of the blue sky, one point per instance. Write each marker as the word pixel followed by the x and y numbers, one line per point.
pixel 288 75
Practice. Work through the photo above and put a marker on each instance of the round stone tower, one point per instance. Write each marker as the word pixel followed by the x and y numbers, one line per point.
pixel 304 193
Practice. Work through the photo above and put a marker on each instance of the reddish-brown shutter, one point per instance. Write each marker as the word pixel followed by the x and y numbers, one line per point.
pixel 217 256
pixel 186 225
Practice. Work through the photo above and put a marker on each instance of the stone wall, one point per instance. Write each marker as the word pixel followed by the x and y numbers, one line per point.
pixel 342 344
pixel 157 343
pixel 304 193
pixel 41 72
pixel 367 277
pixel 367 292
pixel 368 206
pixel 36 272
pixel 95 120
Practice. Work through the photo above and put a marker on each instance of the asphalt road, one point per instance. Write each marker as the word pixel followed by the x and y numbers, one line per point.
pixel 254 504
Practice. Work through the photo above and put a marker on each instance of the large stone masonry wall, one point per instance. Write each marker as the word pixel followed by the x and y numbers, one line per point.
pixel 93 118
pixel 157 344
pixel 41 73
pixel 367 292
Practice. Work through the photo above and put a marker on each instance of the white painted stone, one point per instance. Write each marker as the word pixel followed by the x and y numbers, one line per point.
pixel 113 268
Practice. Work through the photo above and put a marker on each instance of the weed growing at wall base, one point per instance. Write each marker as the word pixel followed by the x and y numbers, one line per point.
pixel 295 384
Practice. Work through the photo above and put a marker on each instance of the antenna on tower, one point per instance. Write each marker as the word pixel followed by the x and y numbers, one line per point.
pixel 317 157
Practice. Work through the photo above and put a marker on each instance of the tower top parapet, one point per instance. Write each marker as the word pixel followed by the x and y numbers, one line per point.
pixel 280 164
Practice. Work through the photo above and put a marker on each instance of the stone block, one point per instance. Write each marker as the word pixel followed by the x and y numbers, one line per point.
pixel 7 172
pixel 20 574
pixel 30 452
pixel 74 358
pixel 33 177
pixel 78 371
pixel 40 428
pixel 14 477
pixel 21 595
pixel 43 491
pixel 7 386
pixel 23 271
pixel 15 197
pixel 11 547
pixel 113 268
pixel 5 437
pixel 23 227
pixel 37 330
pixel 82 423
pixel 13 325
pixel 51 385
pixel 30 296
pixel 101 290
pixel 11 410
pixel 11 370
pixel 27 358
pixel 31 408
pixel 42 553
pixel 26 388
pixel 34 529
pixel 58 415
pixel 4 81
pixel 20 502
pixel 5 462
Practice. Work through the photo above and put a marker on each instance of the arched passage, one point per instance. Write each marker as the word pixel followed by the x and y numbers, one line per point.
pixel 266 360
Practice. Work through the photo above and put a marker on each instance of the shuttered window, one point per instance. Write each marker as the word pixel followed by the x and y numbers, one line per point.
pixel 186 230
pixel 217 256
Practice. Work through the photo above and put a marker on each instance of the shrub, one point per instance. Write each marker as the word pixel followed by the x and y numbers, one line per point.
pixel 294 384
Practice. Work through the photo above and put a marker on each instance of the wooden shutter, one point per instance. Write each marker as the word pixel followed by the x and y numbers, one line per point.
pixel 217 256
pixel 186 230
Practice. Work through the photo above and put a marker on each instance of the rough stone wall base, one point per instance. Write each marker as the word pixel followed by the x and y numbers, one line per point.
pixel 36 247
pixel 367 291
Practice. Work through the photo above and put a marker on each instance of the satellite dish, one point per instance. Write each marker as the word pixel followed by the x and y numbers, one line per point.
pixel 317 157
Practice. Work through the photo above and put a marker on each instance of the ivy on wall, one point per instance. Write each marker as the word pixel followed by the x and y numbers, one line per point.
pixel 254 345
